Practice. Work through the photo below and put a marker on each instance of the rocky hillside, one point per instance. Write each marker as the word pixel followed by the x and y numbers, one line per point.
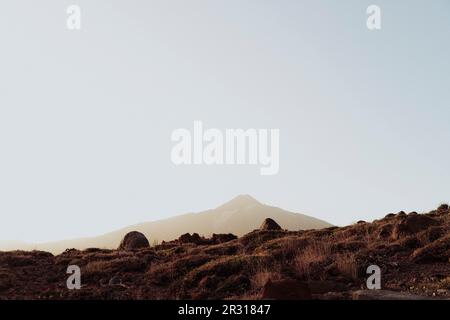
pixel 412 250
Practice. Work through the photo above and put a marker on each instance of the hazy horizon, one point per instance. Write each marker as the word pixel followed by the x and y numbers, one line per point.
pixel 239 216
pixel 86 116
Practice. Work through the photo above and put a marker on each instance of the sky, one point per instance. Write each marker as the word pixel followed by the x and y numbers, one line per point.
pixel 86 115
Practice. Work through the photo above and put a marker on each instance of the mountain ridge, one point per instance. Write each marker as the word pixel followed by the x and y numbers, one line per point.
pixel 239 216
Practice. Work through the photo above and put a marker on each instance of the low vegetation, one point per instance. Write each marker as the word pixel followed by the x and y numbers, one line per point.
pixel 412 250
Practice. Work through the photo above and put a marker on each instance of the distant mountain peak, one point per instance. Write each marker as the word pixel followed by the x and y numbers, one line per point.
pixel 243 200
pixel 239 216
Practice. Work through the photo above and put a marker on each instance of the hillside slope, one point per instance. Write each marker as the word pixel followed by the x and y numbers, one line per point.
pixel 412 252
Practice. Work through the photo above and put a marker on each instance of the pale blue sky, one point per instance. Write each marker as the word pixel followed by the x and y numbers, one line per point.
pixel 86 117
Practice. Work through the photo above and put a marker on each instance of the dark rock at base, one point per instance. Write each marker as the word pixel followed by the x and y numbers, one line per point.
pixel 222 237
pixel 269 224
pixel 321 287
pixel 188 238
pixel 286 290
pixel 134 240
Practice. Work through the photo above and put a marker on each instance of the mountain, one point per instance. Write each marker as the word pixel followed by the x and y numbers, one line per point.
pixel 238 216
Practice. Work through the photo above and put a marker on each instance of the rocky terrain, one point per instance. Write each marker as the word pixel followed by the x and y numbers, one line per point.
pixel 412 250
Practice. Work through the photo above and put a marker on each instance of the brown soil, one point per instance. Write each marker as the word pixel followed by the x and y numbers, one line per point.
pixel 412 250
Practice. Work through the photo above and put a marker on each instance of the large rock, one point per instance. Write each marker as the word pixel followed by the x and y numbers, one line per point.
pixel 134 240
pixel 322 287
pixel 222 237
pixel 286 290
pixel 269 224
pixel 188 238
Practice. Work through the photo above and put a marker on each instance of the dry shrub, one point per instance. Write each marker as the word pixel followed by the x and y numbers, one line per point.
pixel 284 250
pixel 260 278
pixel 264 269
pixel 291 246
pixel 225 249
pixel 437 251
pixel 171 270
pixel 7 279
pixel 225 267
pixel 346 265
pixel 253 240
pixel 445 283
pixel 314 254
pixel 348 246
pixel 124 264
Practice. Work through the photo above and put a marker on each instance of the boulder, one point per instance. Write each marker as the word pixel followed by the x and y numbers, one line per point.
pixel 322 287
pixel 134 240
pixel 269 224
pixel 222 238
pixel 188 238
pixel 286 290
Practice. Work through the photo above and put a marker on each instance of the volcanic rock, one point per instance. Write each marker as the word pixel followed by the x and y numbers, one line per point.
pixel 188 238
pixel 269 224
pixel 134 240
pixel 222 238
pixel 286 290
